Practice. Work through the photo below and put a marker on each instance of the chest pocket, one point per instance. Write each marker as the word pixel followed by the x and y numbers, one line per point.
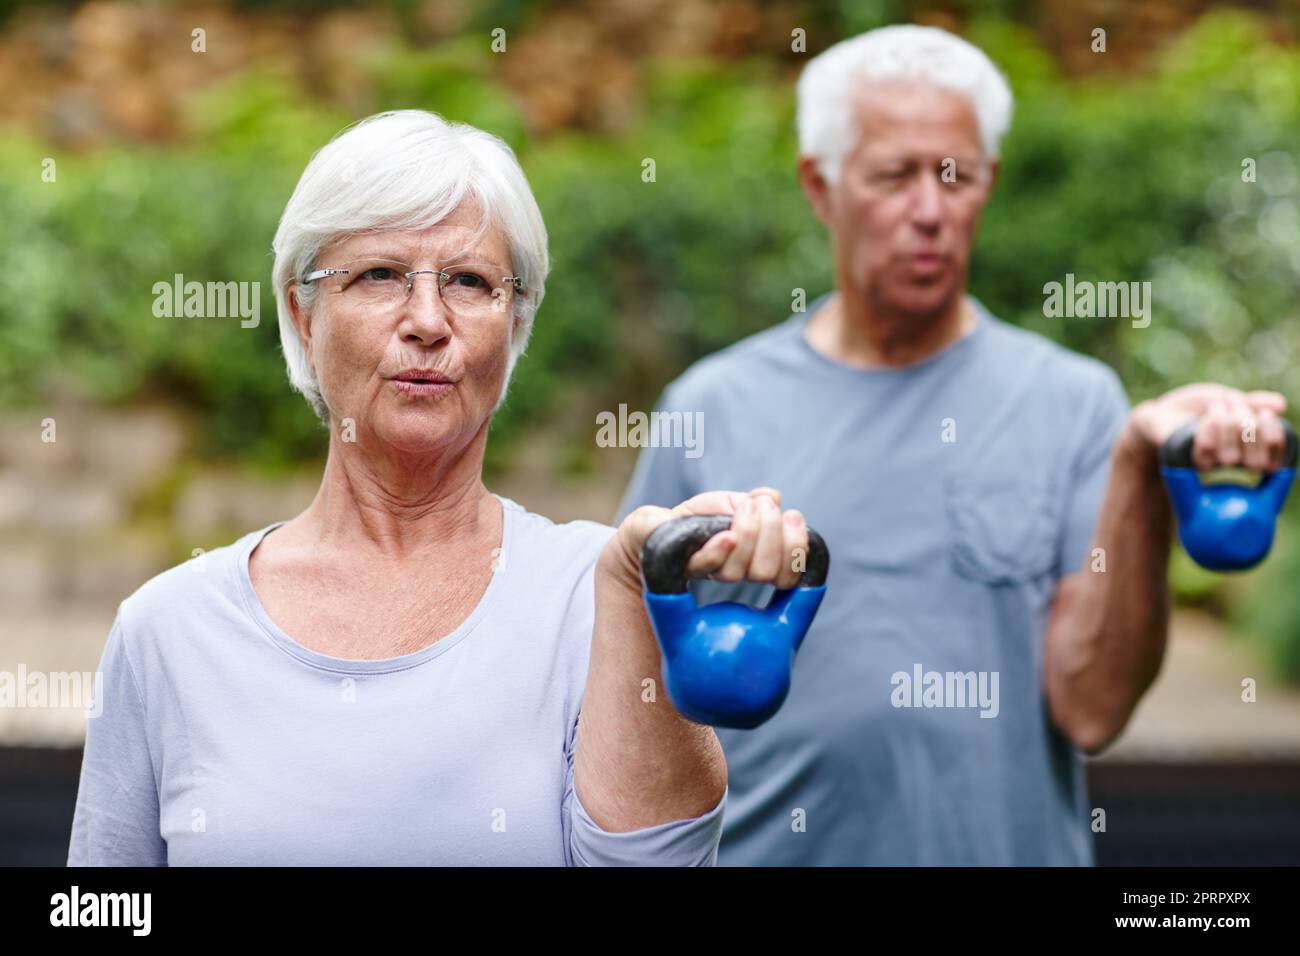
pixel 1004 528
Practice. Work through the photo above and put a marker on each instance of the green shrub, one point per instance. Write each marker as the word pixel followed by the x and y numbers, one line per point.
pixel 1118 178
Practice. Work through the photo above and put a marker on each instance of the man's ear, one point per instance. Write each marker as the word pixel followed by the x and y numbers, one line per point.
pixel 995 167
pixel 815 187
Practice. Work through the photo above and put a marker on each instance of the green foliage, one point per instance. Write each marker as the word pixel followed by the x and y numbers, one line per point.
pixel 1269 611
pixel 1119 178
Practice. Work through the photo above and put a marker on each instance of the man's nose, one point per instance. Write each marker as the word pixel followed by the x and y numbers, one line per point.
pixel 927 202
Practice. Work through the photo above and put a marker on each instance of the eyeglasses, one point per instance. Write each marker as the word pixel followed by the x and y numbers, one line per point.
pixel 466 288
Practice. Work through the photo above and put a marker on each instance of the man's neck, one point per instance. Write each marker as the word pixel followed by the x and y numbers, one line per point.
pixel 853 334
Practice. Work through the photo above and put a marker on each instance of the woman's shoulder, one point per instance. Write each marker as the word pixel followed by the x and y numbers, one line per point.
pixel 574 544
pixel 207 583
pixel 552 564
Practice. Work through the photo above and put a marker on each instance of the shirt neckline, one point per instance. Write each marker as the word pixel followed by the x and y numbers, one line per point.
pixel 945 355
pixel 382 665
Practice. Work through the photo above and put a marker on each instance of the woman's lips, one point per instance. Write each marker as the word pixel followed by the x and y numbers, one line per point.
pixel 422 389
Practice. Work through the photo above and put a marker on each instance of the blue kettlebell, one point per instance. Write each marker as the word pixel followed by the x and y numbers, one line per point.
pixel 725 664
pixel 1224 527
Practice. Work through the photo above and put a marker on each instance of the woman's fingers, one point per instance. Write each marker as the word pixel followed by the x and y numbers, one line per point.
pixel 794 542
pixel 769 556
pixel 756 522
pixel 745 526
pixel 712 555
pixel 707 503
pixel 761 545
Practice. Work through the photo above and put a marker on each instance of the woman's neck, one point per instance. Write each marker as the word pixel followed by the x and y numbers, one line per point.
pixel 396 507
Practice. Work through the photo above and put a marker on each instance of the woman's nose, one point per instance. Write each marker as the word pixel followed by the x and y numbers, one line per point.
pixel 424 315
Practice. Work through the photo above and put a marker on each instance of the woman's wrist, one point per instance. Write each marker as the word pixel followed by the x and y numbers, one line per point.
pixel 617 568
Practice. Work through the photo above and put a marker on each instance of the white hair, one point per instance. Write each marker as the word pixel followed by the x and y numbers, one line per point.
pixel 405 169
pixel 825 119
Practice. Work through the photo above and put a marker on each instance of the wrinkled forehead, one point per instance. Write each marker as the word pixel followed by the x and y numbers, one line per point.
pixel 465 234
pixel 914 118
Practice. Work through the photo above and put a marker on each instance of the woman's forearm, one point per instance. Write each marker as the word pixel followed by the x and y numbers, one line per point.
pixel 638 762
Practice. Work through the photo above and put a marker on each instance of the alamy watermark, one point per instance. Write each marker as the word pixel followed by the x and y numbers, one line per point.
pixel 1098 300
pixel 922 688
pixel 129 910
pixel 656 430
pixel 39 689
pixel 208 300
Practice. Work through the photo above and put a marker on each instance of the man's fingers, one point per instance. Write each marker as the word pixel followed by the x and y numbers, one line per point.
pixel 1241 428
pixel 1235 429
pixel 1205 446
pixel 1274 402
pixel 1270 439
pixel 1254 438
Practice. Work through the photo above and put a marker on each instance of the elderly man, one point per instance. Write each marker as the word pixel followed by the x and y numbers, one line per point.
pixel 998 601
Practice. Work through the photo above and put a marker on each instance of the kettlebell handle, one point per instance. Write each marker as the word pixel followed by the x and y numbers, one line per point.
pixel 669 548
pixel 1176 452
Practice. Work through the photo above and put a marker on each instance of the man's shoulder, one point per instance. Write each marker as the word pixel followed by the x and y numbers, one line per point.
pixel 753 355
pixel 1014 346
pixel 1017 347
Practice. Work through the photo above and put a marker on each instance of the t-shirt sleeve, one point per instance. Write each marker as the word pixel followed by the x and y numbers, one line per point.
pixel 115 822
pixel 1091 472
pixel 689 842
pixel 660 477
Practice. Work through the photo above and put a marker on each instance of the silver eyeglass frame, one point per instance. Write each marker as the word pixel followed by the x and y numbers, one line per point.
pixel 515 282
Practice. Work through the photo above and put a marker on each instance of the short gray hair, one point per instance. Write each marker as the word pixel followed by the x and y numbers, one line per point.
pixel 405 169
pixel 825 120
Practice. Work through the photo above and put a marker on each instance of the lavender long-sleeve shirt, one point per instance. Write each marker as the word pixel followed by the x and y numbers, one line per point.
pixel 223 741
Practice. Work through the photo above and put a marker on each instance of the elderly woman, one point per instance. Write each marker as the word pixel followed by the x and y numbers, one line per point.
pixel 414 670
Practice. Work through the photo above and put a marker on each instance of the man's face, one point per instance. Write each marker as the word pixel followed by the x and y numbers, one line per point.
pixel 904 210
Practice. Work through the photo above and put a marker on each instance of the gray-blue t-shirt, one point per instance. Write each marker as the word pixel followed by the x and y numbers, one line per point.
pixel 223 741
pixel 952 494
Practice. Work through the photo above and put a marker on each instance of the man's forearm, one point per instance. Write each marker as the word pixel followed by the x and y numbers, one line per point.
pixel 1108 630
pixel 638 761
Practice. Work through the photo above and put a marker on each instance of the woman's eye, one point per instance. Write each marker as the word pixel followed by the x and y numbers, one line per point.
pixel 379 274
pixel 469 280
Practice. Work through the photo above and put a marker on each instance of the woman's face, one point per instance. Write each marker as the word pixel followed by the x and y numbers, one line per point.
pixel 359 348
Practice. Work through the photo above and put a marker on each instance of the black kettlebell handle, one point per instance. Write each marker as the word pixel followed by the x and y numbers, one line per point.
pixel 1176 452
pixel 670 546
